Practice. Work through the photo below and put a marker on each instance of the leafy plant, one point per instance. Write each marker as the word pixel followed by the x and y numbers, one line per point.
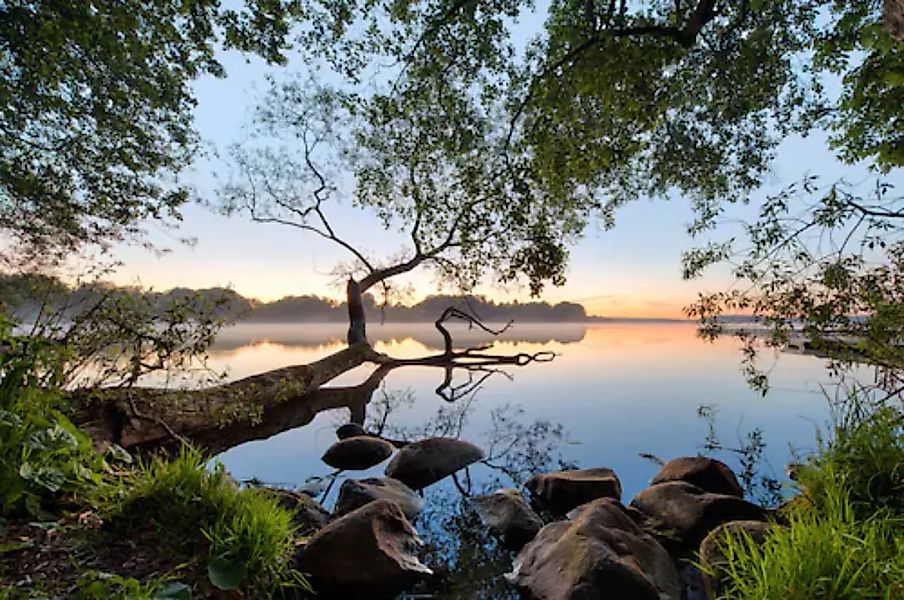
pixel 42 454
pixel 108 586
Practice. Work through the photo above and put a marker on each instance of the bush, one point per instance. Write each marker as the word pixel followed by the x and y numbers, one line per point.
pixel 822 554
pixel 249 537
pixel 865 456
pixel 42 454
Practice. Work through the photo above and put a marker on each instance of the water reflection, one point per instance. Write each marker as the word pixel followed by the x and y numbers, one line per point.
pixel 614 391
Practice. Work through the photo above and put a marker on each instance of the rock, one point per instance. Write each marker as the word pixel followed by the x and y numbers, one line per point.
pixel 359 452
pixel 690 512
pixel 601 553
pixel 562 491
pixel 356 493
pixel 369 552
pixel 422 463
pixel 713 560
pixel 508 516
pixel 350 430
pixel 706 473
pixel 307 514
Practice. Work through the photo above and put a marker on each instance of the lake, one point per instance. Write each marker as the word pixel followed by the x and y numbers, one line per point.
pixel 614 390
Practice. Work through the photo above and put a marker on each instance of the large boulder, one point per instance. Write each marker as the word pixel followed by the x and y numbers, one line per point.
pixel 307 514
pixel 689 513
pixel 508 516
pixel 601 553
pixel 706 473
pixel 422 463
pixel 368 553
pixel 358 452
pixel 562 491
pixel 354 494
pixel 712 557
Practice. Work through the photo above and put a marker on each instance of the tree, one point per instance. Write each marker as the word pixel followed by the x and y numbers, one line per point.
pixel 610 102
pixel 96 116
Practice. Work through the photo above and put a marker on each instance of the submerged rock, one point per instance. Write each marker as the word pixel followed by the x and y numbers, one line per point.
pixel 423 463
pixel 356 493
pixel 706 473
pixel 712 558
pixel 359 452
pixel 690 512
pixel 350 430
pixel 601 553
pixel 508 516
pixel 371 551
pixel 562 491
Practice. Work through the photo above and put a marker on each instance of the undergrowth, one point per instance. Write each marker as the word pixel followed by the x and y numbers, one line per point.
pixel 844 536
pixel 248 537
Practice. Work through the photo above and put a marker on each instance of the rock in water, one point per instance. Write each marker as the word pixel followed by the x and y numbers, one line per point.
pixel 307 514
pixel 367 553
pixel 562 491
pixel 422 463
pixel 713 560
pixel 706 473
pixel 356 493
pixel 601 553
pixel 691 512
pixel 350 430
pixel 359 452
pixel 508 516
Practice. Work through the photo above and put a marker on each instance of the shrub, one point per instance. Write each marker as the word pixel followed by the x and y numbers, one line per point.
pixel 865 456
pixel 42 454
pixel 248 536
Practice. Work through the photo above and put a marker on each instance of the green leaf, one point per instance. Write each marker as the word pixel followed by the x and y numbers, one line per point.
pixel 173 590
pixel 225 573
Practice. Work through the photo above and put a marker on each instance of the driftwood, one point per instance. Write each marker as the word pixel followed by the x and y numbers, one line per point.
pixel 259 406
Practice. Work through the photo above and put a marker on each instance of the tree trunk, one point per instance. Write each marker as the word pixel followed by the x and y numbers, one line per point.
pixel 149 416
pixel 357 332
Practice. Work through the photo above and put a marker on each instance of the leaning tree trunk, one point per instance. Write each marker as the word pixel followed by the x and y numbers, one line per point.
pixel 149 416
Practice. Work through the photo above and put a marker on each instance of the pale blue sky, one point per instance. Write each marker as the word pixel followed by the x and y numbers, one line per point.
pixel 629 271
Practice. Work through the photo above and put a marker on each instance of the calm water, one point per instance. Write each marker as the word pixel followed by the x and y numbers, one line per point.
pixel 613 391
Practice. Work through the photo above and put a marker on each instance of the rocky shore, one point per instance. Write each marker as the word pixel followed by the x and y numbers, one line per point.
pixel 569 533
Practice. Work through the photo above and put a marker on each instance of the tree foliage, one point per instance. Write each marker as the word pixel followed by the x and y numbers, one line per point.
pixel 96 117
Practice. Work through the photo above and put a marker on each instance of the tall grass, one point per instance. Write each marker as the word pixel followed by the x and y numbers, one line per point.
pixel 844 538
pixel 829 554
pixel 249 537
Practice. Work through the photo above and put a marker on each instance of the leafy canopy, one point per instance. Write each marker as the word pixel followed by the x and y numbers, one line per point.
pixel 95 108
pixel 455 127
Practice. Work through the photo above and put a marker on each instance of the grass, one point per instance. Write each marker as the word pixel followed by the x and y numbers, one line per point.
pixel 248 537
pixel 844 537
pixel 824 554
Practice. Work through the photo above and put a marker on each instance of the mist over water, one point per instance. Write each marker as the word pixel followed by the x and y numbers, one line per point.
pixel 614 389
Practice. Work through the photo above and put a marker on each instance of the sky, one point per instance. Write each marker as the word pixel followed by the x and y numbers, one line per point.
pixel 633 270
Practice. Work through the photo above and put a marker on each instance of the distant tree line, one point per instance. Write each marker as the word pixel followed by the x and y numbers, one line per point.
pixel 26 296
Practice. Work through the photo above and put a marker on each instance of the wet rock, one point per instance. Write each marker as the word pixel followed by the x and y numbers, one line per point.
pixel 601 553
pixel 706 473
pixel 508 516
pixel 562 491
pixel 307 514
pixel 713 560
pixel 422 463
pixel 359 452
pixel 689 512
pixel 356 493
pixel 368 553
pixel 350 430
